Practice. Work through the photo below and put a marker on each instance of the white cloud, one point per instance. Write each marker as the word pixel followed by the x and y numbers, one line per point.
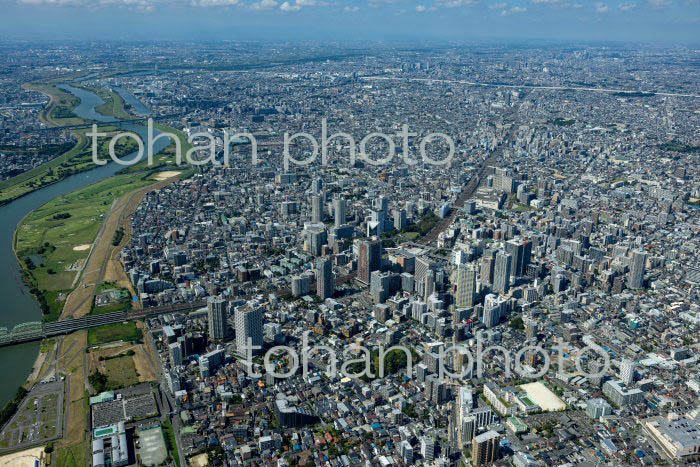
pixel 141 5
pixel 558 3
pixel 51 2
pixel 298 4
pixel 420 8
pixel 628 6
pixel 286 6
pixel 263 5
pixel 351 9
pixel 213 3
pixel 659 3
pixel 457 3
pixel 513 10
pixel 498 6
pixel 601 7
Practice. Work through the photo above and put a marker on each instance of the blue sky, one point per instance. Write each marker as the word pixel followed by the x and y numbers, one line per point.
pixel 636 20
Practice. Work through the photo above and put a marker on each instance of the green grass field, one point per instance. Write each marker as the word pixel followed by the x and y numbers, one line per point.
pixel 48 233
pixel 71 456
pixel 114 332
pixel 166 158
pixel 114 104
pixel 121 372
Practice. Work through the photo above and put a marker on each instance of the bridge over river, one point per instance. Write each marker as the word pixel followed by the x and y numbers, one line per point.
pixel 36 330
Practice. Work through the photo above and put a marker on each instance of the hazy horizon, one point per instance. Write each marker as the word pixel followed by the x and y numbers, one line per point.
pixel 391 20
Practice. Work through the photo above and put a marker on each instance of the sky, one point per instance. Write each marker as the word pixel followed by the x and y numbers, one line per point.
pixel 451 20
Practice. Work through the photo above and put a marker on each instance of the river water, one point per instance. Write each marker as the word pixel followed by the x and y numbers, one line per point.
pixel 18 305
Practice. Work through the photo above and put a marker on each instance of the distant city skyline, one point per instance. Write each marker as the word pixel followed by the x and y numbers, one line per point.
pixel 391 20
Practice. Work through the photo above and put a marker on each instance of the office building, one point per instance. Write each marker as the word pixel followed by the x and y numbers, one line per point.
pixel 316 238
pixel 317 185
pixel 422 266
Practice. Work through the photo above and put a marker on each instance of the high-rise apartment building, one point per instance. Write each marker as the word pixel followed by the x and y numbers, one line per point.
pixel 370 259
pixel 501 272
pixel 249 325
pixel 465 286
pixel 317 208
pixel 485 448
pixel 324 278
pixel 217 309
pixel 339 211
pixel 635 279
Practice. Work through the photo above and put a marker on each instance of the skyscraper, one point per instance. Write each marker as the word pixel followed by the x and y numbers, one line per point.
pixel 399 219
pixel 487 269
pixel 635 279
pixel 317 185
pixel 216 313
pixel 317 208
pixel 521 251
pixel 465 282
pixel 485 448
pixel 501 273
pixel 324 278
pixel 339 211
pixel 316 236
pixel 463 406
pixel 249 325
pixel 176 354
pixel 369 259
pixel 422 266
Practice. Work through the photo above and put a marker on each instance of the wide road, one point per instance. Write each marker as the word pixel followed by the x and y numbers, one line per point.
pixel 524 86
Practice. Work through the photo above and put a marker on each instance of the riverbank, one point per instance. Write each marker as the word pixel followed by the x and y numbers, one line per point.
pixel 20 305
pixel 45 240
pixel 103 264
pixel 59 112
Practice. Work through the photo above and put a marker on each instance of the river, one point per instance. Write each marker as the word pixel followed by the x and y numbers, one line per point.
pixel 19 305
